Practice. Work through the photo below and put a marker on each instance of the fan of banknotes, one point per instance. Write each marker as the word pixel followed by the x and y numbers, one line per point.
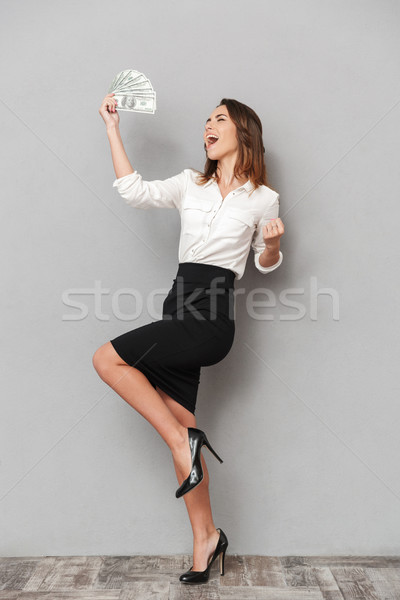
pixel 134 92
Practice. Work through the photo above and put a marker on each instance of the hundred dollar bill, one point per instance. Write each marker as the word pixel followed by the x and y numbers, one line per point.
pixel 137 93
pixel 131 88
pixel 135 103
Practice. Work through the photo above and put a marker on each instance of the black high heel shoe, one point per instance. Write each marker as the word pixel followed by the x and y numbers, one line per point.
pixel 197 438
pixel 202 576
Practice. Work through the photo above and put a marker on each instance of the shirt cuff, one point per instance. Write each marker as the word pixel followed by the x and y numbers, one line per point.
pixel 271 267
pixel 123 178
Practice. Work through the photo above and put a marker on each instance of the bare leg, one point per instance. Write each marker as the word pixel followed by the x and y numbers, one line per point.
pixel 205 535
pixel 134 387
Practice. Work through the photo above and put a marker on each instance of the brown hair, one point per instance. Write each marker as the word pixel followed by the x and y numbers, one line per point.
pixel 250 161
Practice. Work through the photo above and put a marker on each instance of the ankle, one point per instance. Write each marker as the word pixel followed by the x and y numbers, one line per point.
pixel 202 535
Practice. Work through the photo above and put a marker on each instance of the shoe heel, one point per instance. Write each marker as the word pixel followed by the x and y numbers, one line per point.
pixel 207 443
pixel 222 562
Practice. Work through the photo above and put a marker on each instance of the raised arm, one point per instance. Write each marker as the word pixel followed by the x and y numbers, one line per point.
pixel 136 192
pixel 110 115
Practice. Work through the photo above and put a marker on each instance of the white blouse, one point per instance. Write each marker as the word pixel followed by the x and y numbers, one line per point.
pixel 214 230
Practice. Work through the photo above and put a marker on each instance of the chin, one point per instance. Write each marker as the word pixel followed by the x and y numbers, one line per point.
pixel 212 155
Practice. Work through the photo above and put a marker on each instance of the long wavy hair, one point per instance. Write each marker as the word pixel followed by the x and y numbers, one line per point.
pixel 250 162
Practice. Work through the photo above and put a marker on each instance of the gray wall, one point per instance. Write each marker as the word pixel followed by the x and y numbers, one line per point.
pixel 305 408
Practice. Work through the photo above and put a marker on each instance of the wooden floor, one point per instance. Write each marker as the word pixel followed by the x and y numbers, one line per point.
pixel 157 577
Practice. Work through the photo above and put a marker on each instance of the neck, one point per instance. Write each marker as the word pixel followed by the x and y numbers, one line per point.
pixel 225 169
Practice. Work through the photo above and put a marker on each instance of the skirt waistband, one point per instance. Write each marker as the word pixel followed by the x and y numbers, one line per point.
pixel 205 273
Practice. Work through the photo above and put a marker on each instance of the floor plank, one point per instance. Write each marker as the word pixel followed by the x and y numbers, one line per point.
pixel 43 568
pixel 386 582
pixel 213 592
pixel 71 573
pixel 327 583
pixel 9 595
pixel 71 595
pixel 115 571
pixel 148 588
pixel 15 572
pixel 354 583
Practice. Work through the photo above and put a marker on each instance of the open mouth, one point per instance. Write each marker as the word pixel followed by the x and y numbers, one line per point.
pixel 211 140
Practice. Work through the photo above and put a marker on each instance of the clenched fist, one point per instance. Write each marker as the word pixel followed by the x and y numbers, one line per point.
pixel 272 232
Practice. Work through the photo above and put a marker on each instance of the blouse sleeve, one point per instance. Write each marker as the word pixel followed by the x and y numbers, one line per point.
pixel 258 244
pixel 167 193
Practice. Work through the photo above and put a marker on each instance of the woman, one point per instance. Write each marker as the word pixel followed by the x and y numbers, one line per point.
pixel 156 368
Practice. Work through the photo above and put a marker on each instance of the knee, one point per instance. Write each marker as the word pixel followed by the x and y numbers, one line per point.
pixel 102 361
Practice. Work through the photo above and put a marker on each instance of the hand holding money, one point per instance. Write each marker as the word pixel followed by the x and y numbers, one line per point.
pixel 108 111
pixel 133 92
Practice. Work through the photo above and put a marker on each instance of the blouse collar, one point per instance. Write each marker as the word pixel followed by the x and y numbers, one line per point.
pixel 248 186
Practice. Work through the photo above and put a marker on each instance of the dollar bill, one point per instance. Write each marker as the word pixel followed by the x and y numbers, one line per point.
pixel 135 103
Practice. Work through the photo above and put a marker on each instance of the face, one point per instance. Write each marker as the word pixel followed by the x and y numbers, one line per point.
pixel 220 125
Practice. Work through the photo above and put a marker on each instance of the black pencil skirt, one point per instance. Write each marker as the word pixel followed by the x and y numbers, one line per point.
pixel 197 329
